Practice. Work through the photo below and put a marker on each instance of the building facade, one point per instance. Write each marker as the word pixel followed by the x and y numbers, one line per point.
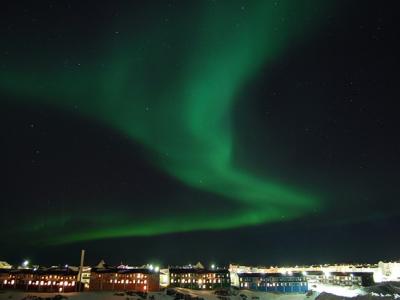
pixel 387 271
pixel 124 279
pixel 274 282
pixel 53 279
pixel 349 278
pixel 199 278
pixel 381 272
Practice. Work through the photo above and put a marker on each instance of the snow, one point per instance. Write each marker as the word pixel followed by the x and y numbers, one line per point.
pixel 343 291
pixel 206 295
pixel 233 294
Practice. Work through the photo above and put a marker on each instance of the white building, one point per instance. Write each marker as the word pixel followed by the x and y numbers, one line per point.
pixel 387 271
pixel 164 277
pixel 383 271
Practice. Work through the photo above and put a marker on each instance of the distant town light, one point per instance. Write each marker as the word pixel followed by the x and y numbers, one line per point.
pixel 212 266
pixel 25 263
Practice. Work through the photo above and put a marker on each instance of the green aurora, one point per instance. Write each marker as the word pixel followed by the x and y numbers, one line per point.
pixel 183 120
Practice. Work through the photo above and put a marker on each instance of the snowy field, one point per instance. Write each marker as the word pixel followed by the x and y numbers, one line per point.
pixel 321 293
pixel 206 295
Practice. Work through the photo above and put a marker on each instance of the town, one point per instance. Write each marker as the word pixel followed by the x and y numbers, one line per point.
pixel 151 278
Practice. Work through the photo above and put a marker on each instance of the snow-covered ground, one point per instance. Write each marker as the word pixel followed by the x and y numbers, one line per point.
pixel 320 293
pixel 206 295
pixel 343 291
pixel 250 295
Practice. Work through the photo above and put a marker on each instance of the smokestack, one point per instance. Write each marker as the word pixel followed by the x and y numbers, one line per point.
pixel 81 270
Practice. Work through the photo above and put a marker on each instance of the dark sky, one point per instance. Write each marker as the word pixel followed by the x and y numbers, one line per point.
pixel 221 131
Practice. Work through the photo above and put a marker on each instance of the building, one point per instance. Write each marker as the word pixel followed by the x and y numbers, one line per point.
pixel 164 277
pixel 85 279
pixel 4 275
pixel 54 279
pixel 199 278
pixel 314 278
pixel 349 278
pixel 387 271
pixel 124 279
pixel 274 282
pixel 5 265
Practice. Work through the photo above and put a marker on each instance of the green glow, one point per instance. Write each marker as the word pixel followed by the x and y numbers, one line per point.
pixel 183 120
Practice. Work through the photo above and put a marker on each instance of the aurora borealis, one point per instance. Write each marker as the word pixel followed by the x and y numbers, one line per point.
pixel 177 86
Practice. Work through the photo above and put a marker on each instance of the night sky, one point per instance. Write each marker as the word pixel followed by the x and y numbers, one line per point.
pixel 255 132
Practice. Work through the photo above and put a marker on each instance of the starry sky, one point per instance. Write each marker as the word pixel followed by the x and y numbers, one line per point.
pixel 259 132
